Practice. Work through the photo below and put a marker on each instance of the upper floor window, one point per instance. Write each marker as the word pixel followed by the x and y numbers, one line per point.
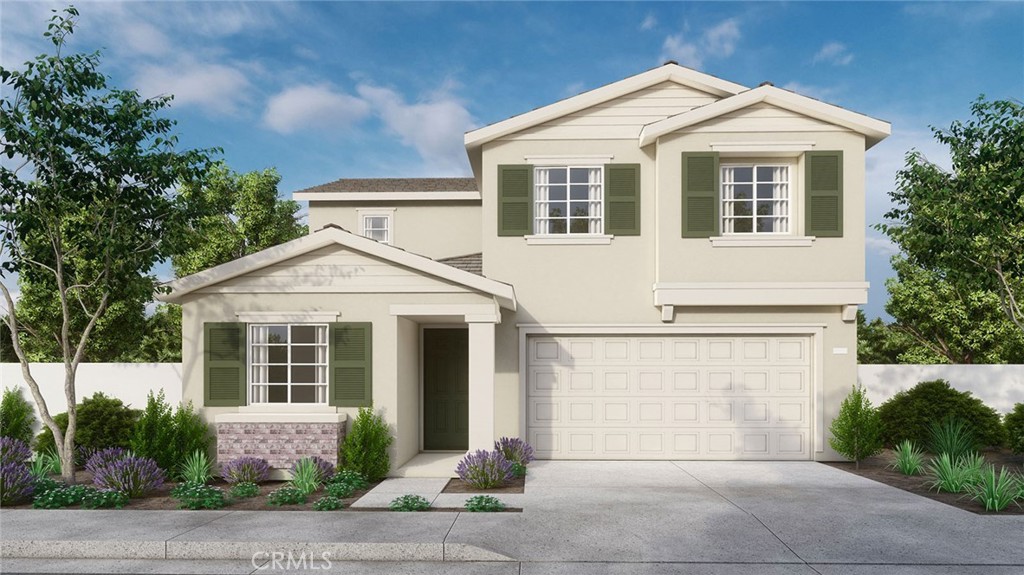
pixel 568 200
pixel 288 363
pixel 756 199
pixel 377 224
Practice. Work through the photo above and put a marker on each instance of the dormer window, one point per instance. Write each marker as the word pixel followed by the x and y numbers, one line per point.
pixel 569 200
pixel 756 199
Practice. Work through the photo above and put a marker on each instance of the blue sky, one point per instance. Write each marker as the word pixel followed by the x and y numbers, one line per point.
pixel 325 90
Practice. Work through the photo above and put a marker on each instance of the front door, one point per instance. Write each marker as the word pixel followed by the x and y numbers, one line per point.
pixel 445 389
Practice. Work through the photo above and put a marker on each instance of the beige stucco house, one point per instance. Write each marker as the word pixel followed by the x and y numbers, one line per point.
pixel 666 267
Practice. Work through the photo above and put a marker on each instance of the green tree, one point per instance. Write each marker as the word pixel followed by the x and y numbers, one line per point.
pixel 242 214
pixel 949 323
pixel 877 341
pixel 967 225
pixel 97 208
pixel 162 340
pixel 857 431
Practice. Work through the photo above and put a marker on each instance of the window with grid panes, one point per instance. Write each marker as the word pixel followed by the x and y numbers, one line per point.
pixel 756 199
pixel 288 363
pixel 568 200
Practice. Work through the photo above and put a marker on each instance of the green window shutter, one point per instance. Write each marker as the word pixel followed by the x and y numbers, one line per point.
pixel 700 194
pixel 824 198
pixel 224 357
pixel 515 200
pixel 351 364
pixel 622 199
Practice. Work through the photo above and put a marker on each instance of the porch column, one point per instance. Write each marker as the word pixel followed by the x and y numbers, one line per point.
pixel 481 384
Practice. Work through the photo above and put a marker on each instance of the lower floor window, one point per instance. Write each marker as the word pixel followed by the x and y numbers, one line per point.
pixel 288 363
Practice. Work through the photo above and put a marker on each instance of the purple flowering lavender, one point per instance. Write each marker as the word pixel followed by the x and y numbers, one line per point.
pixel 13 450
pixel 133 476
pixel 515 450
pixel 245 470
pixel 484 469
pixel 16 483
pixel 100 458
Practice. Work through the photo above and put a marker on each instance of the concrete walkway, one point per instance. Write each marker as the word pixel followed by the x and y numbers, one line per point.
pixel 579 517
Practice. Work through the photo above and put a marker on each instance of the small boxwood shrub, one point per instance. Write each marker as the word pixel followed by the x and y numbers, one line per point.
pixel 133 476
pixel 61 497
pixel 287 495
pixel 16 483
pixel 909 414
pixel 328 503
pixel 409 503
pixel 245 470
pixel 1014 424
pixel 16 416
pixel 484 503
pixel 103 499
pixel 102 422
pixel 14 451
pixel 365 449
pixel 45 484
pixel 245 490
pixel 340 490
pixel 198 496
pixel 350 477
pixel 484 469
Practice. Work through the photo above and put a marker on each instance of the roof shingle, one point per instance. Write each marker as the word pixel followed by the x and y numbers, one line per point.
pixel 383 185
pixel 472 263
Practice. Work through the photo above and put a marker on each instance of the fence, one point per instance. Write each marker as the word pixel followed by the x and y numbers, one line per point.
pixel 999 386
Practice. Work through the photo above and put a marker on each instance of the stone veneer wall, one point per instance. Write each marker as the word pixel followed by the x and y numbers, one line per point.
pixel 280 444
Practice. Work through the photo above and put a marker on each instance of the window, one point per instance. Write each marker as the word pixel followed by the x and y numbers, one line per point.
pixel 568 200
pixel 288 363
pixel 377 227
pixel 755 199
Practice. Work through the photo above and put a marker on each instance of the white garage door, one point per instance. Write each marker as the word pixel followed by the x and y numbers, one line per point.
pixel 743 397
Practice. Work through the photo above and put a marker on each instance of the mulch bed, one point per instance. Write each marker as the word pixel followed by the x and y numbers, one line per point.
pixel 456 485
pixel 877 469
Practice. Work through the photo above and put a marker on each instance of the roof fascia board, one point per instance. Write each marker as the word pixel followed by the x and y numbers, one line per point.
pixel 384 196
pixel 667 73
pixel 504 293
pixel 875 130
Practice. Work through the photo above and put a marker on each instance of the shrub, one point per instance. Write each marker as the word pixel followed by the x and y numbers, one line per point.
pixel 350 477
pixel 328 503
pixel 133 476
pixel 365 448
pixel 245 470
pixel 951 436
pixel 909 414
pixel 484 503
pixel 1014 424
pixel 947 474
pixel 16 483
pixel 856 431
pixel 515 450
pixel 45 485
pixel 340 490
pixel 61 497
pixel 409 503
pixel 17 418
pixel 44 465
pixel 306 475
pixel 518 470
pixel 103 499
pixel 13 450
pixel 909 459
pixel 196 468
pixel 972 465
pixel 102 422
pixel 287 495
pixel 995 492
pixel 198 496
pixel 103 457
pixel 166 435
pixel 245 490
pixel 484 469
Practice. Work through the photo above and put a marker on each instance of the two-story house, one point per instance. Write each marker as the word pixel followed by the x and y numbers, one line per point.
pixel 666 267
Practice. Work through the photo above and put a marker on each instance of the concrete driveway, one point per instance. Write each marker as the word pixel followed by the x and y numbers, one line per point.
pixel 791 515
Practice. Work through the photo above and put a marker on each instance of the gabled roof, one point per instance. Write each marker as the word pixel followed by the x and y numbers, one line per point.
pixel 358 189
pixel 669 72
pixel 334 235
pixel 873 129
pixel 472 263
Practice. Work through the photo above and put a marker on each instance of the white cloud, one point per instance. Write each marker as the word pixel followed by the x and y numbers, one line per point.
pixel 573 89
pixel 649 22
pixel 313 106
pixel 833 53
pixel 881 245
pixel 719 41
pixel 215 88
pixel 433 127
pixel 144 38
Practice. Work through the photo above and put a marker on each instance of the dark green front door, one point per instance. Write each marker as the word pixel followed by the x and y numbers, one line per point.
pixel 445 389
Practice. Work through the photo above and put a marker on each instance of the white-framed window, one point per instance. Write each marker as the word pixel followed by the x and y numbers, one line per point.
pixel 288 363
pixel 568 200
pixel 377 227
pixel 756 199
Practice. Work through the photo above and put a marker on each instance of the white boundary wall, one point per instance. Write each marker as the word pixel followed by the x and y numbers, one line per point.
pixel 999 386
pixel 129 382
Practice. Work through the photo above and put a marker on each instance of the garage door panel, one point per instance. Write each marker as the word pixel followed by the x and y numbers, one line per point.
pixel 670 397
